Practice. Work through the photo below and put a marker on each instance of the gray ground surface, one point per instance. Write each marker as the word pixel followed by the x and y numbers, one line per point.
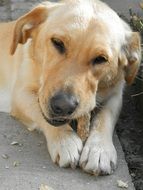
pixel 12 9
pixel 35 166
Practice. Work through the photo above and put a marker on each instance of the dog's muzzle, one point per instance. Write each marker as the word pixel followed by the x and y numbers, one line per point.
pixel 61 107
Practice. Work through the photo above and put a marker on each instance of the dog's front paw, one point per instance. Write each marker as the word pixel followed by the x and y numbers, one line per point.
pixel 99 156
pixel 65 148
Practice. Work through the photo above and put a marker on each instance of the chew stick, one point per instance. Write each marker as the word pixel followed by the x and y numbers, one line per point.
pixel 83 126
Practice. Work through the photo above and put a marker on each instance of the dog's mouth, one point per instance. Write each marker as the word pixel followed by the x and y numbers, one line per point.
pixel 57 122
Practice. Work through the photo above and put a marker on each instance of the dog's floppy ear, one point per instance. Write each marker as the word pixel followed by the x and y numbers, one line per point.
pixel 25 24
pixel 132 56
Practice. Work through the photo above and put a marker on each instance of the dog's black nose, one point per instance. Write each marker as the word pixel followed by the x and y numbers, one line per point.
pixel 63 104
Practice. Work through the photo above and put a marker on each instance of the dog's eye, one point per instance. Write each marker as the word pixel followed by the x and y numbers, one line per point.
pixel 59 45
pixel 99 60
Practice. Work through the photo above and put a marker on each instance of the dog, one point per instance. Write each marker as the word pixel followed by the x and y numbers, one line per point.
pixel 60 61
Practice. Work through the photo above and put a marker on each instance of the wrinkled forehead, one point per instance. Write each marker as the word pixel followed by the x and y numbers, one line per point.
pixel 86 18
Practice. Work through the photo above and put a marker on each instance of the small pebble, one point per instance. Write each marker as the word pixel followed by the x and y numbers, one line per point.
pixel 45 187
pixel 16 163
pixel 15 143
pixel 5 156
pixel 133 174
pixel 6 167
pixel 122 184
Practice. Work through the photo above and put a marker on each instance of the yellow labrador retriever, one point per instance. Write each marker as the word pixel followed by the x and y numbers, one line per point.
pixel 60 61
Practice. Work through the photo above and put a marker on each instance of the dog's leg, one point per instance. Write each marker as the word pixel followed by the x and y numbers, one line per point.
pixel 64 145
pixel 99 155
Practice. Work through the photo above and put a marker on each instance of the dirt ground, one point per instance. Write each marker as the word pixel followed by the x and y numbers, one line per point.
pixel 130 132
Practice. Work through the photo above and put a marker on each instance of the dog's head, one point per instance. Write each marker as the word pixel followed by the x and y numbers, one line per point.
pixel 79 47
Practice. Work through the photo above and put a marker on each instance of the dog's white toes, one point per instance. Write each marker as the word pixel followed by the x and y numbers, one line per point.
pixel 98 157
pixel 65 149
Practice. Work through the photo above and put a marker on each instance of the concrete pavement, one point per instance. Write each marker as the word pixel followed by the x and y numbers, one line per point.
pixel 25 164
